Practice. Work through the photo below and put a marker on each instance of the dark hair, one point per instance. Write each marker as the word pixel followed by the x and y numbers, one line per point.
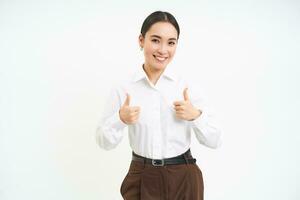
pixel 159 16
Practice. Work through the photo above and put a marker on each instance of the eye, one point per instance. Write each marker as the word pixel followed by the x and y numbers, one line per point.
pixel 155 40
pixel 171 43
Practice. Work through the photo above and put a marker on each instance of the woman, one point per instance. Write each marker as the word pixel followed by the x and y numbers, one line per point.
pixel 160 109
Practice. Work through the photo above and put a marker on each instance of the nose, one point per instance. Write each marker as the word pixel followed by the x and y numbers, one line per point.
pixel 163 49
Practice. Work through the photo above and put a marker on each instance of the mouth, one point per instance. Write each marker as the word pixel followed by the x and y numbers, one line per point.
pixel 160 59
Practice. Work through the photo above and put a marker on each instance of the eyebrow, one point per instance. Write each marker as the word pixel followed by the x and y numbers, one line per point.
pixel 160 37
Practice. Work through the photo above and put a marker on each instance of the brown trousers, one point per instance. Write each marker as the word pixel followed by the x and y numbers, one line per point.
pixel 171 182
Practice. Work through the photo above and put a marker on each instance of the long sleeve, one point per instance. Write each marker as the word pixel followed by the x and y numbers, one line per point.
pixel 205 126
pixel 110 129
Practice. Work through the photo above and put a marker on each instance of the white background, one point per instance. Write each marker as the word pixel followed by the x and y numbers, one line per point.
pixel 59 59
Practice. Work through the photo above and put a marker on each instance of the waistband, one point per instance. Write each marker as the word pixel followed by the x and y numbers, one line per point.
pixel 185 158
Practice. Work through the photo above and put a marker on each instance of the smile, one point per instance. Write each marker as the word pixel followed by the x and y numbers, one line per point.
pixel 160 59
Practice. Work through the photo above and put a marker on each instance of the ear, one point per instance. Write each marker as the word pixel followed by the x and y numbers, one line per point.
pixel 141 40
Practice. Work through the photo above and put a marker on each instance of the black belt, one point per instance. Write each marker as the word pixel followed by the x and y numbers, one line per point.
pixel 184 158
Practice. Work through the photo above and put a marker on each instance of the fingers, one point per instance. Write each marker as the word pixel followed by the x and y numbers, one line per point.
pixel 127 104
pixel 127 100
pixel 179 108
pixel 135 109
pixel 185 95
pixel 178 103
pixel 179 112
pixel 129 114
pixel 132 115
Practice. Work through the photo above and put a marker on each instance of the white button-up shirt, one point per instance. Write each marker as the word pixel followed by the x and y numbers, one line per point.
pixel 158 133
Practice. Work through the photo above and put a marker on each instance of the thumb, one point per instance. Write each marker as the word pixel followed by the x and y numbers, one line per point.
pixel 127 100
pixel 185 95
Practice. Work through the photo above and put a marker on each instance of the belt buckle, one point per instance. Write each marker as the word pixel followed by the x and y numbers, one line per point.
pixel 157 162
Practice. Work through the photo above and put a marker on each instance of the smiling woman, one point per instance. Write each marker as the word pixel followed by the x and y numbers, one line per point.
pixel 158 38
pixel 159 46
pixel 160 122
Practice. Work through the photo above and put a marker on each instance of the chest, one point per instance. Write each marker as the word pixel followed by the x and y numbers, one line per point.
pixel 155 103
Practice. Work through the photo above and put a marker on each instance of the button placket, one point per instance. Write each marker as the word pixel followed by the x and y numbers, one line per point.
pixel 157 127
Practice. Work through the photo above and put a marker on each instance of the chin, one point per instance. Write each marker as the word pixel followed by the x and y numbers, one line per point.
pixel 160 67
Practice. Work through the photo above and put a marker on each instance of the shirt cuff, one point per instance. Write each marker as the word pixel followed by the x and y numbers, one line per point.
pixel 199 121
pixel 116 122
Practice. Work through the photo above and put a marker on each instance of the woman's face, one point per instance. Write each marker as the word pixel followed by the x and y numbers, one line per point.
pixel 159 45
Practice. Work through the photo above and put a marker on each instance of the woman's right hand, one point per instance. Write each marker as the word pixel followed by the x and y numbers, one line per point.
pixel 129 114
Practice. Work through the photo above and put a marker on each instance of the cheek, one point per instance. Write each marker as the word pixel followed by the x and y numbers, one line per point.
pixel 172 52
pixel 149 52
pixel 150 47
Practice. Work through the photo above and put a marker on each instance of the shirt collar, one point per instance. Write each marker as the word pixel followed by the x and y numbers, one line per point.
pixel 141 74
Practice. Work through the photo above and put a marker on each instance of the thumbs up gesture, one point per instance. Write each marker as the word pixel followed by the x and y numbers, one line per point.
pixel 129 114
pixel 184 109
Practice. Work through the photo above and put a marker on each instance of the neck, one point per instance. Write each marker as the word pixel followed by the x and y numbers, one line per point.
pixel 152 74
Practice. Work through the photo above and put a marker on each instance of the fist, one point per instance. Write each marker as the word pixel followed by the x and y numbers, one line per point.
pixel 185 110
pixel 129 114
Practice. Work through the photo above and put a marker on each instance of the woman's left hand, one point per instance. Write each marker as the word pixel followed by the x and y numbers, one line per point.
pixel 185 110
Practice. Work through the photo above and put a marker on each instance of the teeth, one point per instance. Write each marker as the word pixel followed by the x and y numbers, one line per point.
pixel 160 58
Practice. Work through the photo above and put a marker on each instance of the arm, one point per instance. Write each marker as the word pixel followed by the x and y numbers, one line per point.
pixel 204 126
pixel 110 128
